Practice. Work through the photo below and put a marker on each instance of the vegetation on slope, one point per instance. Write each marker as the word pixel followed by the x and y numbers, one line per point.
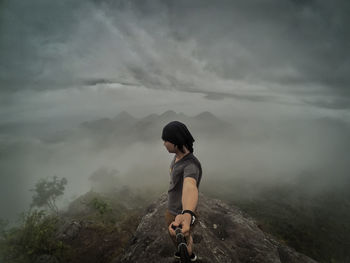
pixel 315 224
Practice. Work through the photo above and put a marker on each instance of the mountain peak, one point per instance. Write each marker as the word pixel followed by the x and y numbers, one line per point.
pixel 124 115
pixel 205 115
pixel 168 114
pixel 223 234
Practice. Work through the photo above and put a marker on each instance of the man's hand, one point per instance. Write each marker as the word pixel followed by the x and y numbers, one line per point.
pixel 183 220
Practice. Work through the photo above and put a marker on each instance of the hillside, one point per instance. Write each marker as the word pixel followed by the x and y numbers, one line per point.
pixel 224 234
pixel 127 225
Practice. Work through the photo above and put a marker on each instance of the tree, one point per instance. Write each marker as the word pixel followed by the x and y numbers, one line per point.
pixel 47 191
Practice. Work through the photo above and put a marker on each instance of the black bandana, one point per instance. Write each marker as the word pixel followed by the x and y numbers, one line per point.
pixel 178 134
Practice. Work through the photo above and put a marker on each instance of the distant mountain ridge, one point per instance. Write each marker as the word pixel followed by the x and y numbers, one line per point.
pixel 125 127
pixel 169 115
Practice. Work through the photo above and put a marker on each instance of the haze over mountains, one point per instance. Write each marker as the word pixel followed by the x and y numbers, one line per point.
pixel 288 163
pixel 123 143
pixel 266 153
pixel 127 129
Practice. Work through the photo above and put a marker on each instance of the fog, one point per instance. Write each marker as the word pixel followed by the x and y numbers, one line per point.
pixel 273 74
pixel 253 154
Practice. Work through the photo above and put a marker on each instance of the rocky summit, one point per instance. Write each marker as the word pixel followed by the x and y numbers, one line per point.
pixel 223 234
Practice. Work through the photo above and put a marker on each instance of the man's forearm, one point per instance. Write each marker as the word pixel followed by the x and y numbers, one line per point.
pixel 189 197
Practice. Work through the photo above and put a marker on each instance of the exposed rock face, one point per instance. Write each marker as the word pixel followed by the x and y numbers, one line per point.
pixel 224 234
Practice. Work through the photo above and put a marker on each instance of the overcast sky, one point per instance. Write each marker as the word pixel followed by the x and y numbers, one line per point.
pixel 251 62
pixel 87 59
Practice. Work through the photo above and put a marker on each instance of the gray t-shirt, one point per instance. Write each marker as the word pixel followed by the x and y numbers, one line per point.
pixel 188 166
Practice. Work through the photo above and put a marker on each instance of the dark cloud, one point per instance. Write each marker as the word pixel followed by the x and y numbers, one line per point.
pixel 331 103
pixel 32 40
pixel 222 95
pixel 176 44
pixel 276 41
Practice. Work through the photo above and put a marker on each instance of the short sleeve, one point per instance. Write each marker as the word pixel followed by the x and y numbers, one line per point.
pixel 191 170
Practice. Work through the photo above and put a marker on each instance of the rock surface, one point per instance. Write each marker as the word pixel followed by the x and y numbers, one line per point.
pixel 224 234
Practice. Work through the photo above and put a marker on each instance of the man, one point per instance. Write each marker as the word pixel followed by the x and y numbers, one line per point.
pixel 185 177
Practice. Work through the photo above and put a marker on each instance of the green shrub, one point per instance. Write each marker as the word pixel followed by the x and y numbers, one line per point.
pixel 101 206
pixel 36 236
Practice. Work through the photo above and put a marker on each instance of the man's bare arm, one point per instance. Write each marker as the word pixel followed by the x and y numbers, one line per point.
pixel 189 202
pixel 189 194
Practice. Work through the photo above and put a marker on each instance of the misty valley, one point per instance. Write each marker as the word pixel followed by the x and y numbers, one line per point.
pixel 83 191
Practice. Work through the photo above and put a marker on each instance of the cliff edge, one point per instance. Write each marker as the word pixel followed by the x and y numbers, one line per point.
pixel 224 234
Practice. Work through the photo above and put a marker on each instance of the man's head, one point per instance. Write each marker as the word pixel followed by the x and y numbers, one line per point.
pixel 176 135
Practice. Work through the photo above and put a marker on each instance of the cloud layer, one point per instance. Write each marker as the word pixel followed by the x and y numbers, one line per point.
pixel 254 50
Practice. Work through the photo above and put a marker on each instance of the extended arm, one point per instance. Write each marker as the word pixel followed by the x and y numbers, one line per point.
pixel 189 202
pixel 189 195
